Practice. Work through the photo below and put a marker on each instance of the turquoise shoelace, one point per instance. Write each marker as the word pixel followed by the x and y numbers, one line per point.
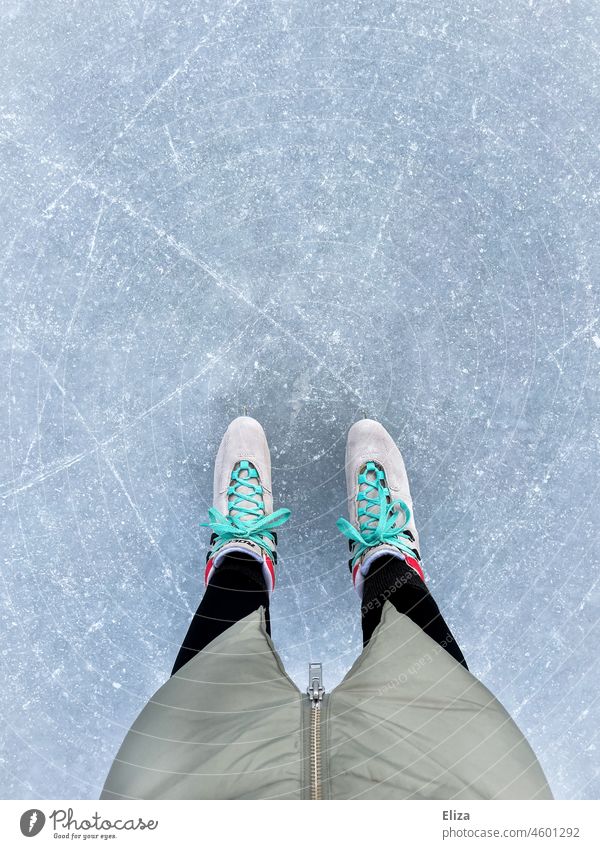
pixel 246 514
pixel 378 517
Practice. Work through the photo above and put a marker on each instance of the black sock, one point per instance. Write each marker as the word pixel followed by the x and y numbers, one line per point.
pixel 390 578
pixel 236 588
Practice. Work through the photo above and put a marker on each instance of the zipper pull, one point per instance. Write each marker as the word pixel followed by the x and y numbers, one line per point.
pixel 315 683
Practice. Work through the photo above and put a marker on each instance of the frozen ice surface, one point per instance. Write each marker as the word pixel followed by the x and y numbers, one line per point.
pixel 312 209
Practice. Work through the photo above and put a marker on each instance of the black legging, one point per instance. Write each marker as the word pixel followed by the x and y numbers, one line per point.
pixel 237 588
pixel 392 579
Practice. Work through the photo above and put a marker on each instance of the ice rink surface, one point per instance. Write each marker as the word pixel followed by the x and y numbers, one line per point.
pixel 311 209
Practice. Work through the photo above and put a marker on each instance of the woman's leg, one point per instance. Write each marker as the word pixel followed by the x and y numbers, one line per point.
pixel 236 588
pixel 391 579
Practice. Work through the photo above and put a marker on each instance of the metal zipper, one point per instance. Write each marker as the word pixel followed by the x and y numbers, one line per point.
pixel 315 692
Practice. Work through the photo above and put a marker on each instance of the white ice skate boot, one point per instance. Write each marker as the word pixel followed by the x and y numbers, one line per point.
pixel 379 503
pixel 242 518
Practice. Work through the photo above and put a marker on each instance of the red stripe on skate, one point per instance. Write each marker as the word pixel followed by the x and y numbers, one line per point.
pixel 271 568
pixel 414 564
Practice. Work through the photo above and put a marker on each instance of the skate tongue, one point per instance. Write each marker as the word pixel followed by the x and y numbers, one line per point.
pixel 376 552
pixel 239 546
pixel 242 502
